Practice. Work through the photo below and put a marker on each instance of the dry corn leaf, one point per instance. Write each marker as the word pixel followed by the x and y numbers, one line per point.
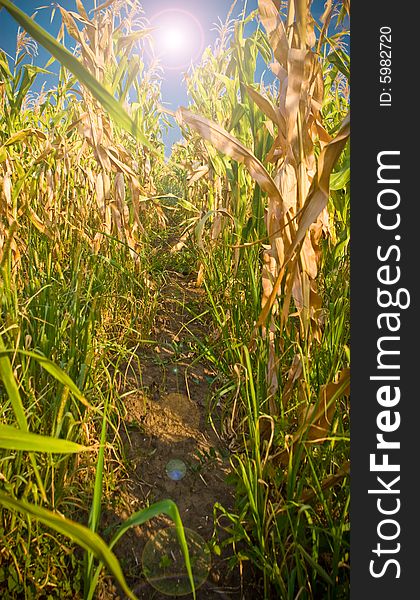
pixel 200 276
pixel 199 228
pixel 227 144
pixel 127 41
pixel 266 106
pixel 100 194
pixel 270 17
pixel 320 416
pixel 295 68
pixel 38 223
pixel 288 186
pixel 294 374
pixel 315 420
pixel 81 9
pixel 198 174
pixel 308 257
pixel 119 166
pixel 89 56
pixel 327 10
pixel 330 481
pixel 23 134
pixel 317 198
pixel 181 243
pixel 301 16
pixel 316 201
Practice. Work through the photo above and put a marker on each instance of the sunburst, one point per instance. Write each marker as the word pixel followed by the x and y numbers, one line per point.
pixel 178 36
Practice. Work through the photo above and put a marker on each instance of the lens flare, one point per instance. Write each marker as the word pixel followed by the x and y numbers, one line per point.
pixel 174 40
pixel 178 36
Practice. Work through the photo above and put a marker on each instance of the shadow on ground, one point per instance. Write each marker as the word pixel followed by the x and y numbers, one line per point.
pixel 165 395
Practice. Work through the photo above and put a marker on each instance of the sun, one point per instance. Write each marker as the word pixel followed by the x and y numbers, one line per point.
pixel 178 38
pixel 174 40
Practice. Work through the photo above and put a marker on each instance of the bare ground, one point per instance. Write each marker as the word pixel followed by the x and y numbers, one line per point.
pixel 166 395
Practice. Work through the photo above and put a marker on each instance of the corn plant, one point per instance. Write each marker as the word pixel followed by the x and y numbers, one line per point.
pixel 287 143
pixel 70 222
pixel 261 185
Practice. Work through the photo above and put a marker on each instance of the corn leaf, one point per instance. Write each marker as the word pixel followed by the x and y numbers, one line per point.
pixel 52 369
pixel 109 103
pixel 9 381
pixel 77 533
pixel 16 439
pixel 167 507
pixel 229 145
pixel 315 203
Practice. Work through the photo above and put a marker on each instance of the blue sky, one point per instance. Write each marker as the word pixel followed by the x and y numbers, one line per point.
pixel 207 12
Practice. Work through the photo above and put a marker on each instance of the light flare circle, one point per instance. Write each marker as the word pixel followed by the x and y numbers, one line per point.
pixel 173 28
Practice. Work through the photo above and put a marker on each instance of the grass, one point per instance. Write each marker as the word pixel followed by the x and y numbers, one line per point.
pixel 258 198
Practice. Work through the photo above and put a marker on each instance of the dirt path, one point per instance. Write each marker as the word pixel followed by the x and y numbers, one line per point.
pixel 166 419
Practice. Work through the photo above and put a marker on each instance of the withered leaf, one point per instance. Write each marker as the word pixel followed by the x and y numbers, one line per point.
pixel 228 144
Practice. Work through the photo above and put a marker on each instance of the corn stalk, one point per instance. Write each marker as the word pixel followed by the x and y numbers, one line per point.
pixel 295 182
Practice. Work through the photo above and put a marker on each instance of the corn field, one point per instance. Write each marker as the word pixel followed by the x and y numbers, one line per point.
pixel 249 217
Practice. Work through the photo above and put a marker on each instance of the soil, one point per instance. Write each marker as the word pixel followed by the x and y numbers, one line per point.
pixel 166 395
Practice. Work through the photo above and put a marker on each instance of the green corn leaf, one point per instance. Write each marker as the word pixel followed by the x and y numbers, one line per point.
pixel 340 179
pixel 77 533
pixel 12 438
pixel 109 103
pixel 51 368
pixel 9 381
pixel 95 511
pixel 340 60
pixel 166 507
pixel 316 566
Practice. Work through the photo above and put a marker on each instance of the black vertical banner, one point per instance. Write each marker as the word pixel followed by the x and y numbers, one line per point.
pixel 385 428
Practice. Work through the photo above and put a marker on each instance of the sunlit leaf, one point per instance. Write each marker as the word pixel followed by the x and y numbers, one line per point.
pixel 79 534
pixel 17 439
pixel 228 144
pixel 71 63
